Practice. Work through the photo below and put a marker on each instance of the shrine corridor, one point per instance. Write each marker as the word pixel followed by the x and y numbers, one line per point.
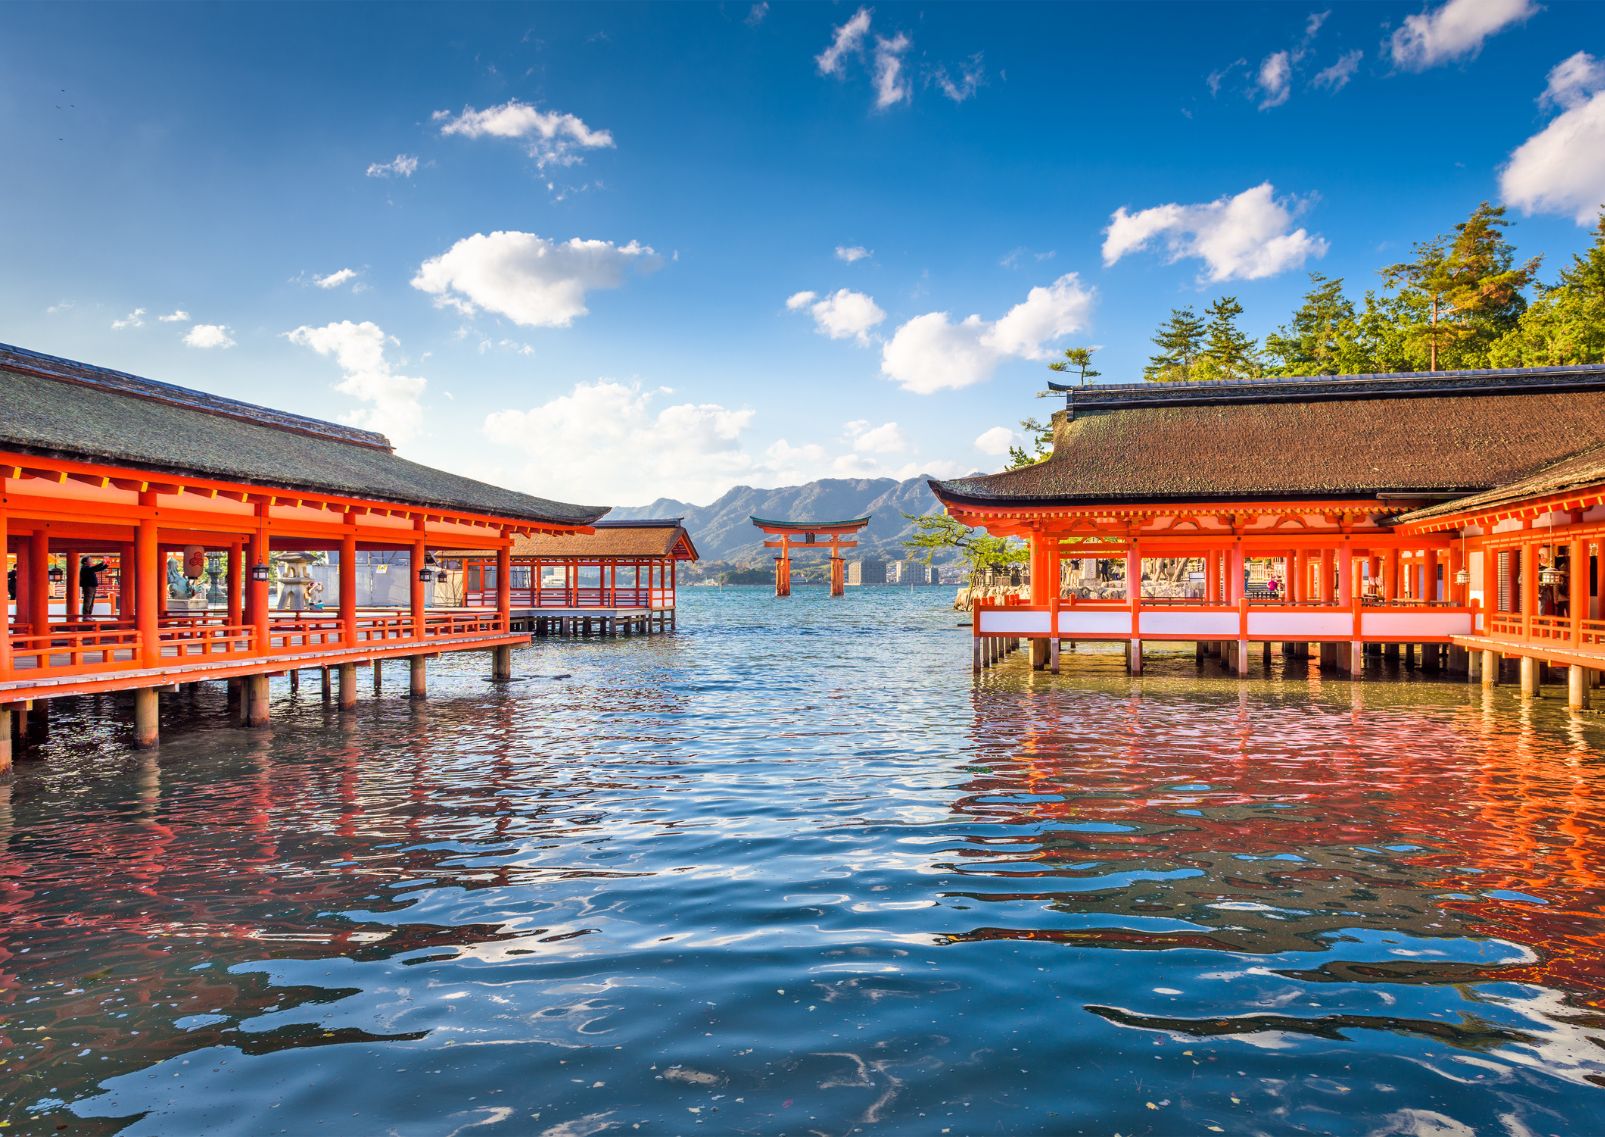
pixel 793 870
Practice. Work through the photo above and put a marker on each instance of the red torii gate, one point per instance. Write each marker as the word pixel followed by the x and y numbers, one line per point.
pixel 810 535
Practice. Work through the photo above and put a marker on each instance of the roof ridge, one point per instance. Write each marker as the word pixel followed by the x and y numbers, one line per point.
pixel 62 370
pixel 1317 388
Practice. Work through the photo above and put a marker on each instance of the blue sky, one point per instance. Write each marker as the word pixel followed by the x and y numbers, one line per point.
pixel 571 248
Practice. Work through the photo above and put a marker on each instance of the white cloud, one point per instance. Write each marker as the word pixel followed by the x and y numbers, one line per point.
pixel 1561 169
pixel 848 40
pixel 209 336
pixel 1275 79
pixel 931 352
pixel 176 316
pixel 851 253
pixel 401 166
pixel 1573 81
pixel 60 307
pixel 887 438
pixel 844 314
pixel 531 280
pixel 393 401
pixel 134 319
pixel 335 279
pixel 1337 76
pixel 756 13
pixel 1243 237
pixel 552 138
pixel 891 85
pixel 970 76
pixel 996 440
pixel 1457 28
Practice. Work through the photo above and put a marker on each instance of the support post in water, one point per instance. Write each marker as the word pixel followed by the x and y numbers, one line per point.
pixel 348 686
pixel 147 732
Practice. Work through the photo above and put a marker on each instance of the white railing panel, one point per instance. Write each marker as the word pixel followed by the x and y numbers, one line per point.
pixel 1205 625
pixel 1426 623
pixel 1109 622
pixel 1337 624
pixel 1013 622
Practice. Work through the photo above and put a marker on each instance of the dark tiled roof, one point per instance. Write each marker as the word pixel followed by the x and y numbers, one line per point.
pixel 73 410
pixel 1580 471
pixel 611 539
pixel 1305 439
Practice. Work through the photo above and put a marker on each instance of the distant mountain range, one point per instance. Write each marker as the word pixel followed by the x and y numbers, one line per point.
pixel 723 531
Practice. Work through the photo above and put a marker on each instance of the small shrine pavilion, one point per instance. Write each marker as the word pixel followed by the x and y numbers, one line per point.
pixel 160 484
pixel 620 578
pixel 1361 513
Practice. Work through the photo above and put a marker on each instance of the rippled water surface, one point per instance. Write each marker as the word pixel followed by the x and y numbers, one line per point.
pixel 794 870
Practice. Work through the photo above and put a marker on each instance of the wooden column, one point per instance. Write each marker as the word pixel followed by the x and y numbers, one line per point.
pixel 348 685
pixel 5 640
pixel 419 674
pixel 1529 586
pixel 1577 588
pixel 256 591
pixel 75 599
pixel 39 581
pixel 148 582
pixel 504 583
pixel 1577 687
pixel 1044 567
pixel 127 578
pixel 256 700
pixel 236 584
pixel 147 731
pixel 419 551
pixel 348 584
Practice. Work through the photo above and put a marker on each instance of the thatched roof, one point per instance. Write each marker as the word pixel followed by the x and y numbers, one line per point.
pixel 58 407
pixel 626 539
pixel 1580 471
pixel 1297 439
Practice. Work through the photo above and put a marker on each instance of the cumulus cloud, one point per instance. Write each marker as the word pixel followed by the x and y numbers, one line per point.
pixel 1248 236
pixel 851 253
pixel 335 279
pixel 209 336
pixel 847 40
pixel 1573 81
pixel 887 438
pixel 891 85
pixel 134 319
pixel 756 14
pixel 1275 79
pixel 1337 76
pixel 1454 30
pixel 177 316
pixel 844 314
pixel 995 441
pixel 401 166
pixel 552 138
pixel 932 352
pixel 531 280
pixel 393 405
pixel 1561 169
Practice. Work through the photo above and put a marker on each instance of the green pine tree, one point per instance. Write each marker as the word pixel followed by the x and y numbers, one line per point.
pixel 1228 352
pixel 1566 323
pixel 1180 340
pixel 1323 337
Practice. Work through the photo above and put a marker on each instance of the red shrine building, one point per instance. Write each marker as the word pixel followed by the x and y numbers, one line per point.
pixel 1459 514
pixel 622 577
pixel 205 513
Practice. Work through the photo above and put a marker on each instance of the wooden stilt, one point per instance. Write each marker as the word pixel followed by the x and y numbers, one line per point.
pixel 295 682
pixel 1053 655
pixel 147 730
pixel 5 742
pixel 1529 677
pixel 378 677
pixel 348 686
pixel 1576 687
pixel 1134 656
pixel 501 663
pixel 419 673
pixel 326 685
pixel 1490 668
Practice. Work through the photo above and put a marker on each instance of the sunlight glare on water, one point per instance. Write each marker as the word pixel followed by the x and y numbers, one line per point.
pixel 795 870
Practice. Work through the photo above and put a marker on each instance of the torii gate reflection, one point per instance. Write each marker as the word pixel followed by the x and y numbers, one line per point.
pixel 810 535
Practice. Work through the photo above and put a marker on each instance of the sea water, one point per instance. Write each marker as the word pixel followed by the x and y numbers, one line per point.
pixel 794 870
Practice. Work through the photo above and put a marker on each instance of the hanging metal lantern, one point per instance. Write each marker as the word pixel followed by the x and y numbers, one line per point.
pixel 1549 574
pixel 55 574
pixel 1463 576
pixel 260 571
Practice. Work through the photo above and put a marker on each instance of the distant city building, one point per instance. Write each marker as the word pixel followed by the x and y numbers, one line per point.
pixel 911 572
pixel 869 570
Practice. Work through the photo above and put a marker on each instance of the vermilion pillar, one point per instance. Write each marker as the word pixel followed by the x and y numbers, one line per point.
pixel 256 592
pixel 419 551
pixel 39 581
pixel 504 585
pixel 74 596
pixel 147 589
pixel 5 627
pixel 348 587
pixel 236 585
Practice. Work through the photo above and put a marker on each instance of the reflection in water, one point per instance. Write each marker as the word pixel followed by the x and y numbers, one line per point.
pixel 811 879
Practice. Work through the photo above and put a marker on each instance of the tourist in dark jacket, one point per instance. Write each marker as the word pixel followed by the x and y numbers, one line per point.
pixel 89 583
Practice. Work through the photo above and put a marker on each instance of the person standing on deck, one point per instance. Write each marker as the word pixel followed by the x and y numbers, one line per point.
pixel 89 584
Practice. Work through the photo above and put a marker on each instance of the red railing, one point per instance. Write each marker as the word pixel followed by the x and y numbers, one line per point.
pixel 589 596
pixel 461 623
pixel 69 653
pixel 204 638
